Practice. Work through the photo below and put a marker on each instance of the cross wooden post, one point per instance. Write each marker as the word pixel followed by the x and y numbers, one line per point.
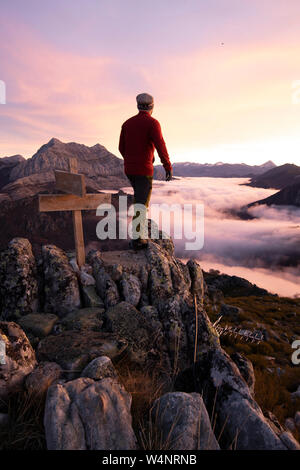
pixel 77 222
pixel 76 200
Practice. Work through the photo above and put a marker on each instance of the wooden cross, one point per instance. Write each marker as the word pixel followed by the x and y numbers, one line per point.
pixel 76 200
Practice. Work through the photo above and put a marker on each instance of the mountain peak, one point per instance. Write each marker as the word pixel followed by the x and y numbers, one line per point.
pixel 268 164
pixel 53 141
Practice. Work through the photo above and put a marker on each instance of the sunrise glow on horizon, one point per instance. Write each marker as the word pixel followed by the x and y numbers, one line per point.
pixel 221 72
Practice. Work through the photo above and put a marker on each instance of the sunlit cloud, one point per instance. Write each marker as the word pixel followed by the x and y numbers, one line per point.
pixel 222 90
pixel 265 248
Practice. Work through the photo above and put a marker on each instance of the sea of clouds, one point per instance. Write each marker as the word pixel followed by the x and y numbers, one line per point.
pixel 264 250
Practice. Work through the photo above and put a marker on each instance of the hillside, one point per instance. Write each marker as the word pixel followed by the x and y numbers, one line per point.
pixel 276 178
pixel 288 196
pixel 219 170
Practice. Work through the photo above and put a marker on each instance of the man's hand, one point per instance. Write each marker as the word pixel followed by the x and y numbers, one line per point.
pixel 169 175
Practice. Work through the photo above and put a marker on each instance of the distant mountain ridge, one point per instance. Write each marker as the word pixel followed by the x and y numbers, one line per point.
pixel 288 196
pixel 277 178
pixel 219 169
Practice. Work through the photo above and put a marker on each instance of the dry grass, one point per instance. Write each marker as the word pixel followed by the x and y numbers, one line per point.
pixel 25 430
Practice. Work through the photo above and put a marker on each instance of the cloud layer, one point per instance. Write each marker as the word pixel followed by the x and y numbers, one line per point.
pixel 266 250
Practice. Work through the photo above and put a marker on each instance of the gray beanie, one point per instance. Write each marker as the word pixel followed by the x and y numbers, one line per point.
pixel 145 102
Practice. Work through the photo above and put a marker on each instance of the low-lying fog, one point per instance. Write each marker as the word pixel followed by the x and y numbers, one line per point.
pixel 265 250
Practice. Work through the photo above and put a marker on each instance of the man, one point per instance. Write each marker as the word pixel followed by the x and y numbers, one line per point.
pixel 140 135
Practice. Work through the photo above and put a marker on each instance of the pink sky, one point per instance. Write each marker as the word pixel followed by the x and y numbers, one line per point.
pixel 72 71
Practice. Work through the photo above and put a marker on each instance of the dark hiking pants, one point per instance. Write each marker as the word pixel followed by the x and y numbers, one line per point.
pixel 142 187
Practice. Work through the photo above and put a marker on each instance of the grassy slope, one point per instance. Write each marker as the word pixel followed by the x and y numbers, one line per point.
pixel 276 376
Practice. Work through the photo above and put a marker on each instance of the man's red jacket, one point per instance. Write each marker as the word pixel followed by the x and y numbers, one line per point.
pixel 140 135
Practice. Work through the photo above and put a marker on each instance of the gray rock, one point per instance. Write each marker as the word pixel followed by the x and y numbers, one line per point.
pixel 169 292
pixel 91 298
pixel 19 361
pixel 61 285
pixel 44 375
pixel 115 271
pixel 182 422
pixel 245 367
pixel 100 368
pixel 197 279
pixel 38 324
pixel 105 286
pixel 88 415
pixel 237 414
pixel 125 320
pixel 84 319
pixel 73 350
pixel 18 280
pixel 131 289
pixel 86 279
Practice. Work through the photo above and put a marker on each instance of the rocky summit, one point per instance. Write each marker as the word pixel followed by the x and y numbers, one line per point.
pixel 92 363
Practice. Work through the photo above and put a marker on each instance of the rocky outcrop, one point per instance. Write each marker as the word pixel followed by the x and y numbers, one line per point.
pixel 89 415
pixel 170 292
pixel 61 285
pixel 161 326
pixel 182 422
pixel 18 280
pixel 73 350
pixel 226 393
pixel 19 359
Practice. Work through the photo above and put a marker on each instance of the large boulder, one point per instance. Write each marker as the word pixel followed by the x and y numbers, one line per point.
pixel 88 415
pixel 186 325
pixel 73 350
pixel 19 359
pixel 18 280
pixel 61 285
pixel 238 416
pixel 182 422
